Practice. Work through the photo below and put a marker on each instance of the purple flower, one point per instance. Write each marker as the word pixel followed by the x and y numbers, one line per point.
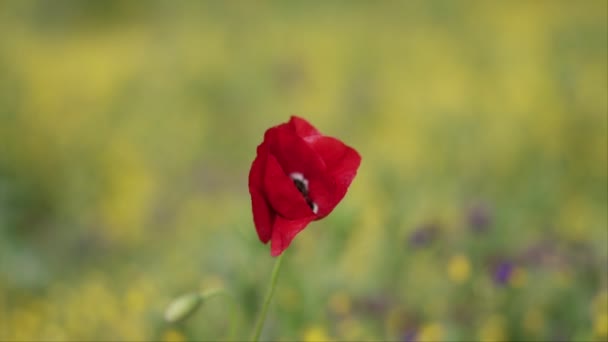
pixel 503 272
pixel 409 335
pixel 424 235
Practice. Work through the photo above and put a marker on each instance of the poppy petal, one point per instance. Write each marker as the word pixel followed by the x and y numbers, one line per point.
pixel 341 162
pixel 322 191
pixel 263 216
pixel 292 153
pixel 295 155
pixel 281 192
pixel 302 127
pixel 284 231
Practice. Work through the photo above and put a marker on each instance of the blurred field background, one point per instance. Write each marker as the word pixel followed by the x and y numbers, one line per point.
pixel 127 130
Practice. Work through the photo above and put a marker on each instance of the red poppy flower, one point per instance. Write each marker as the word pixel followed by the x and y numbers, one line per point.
pixel 298 176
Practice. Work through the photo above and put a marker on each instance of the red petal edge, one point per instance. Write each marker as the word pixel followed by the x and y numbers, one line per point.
pixel 283 233
pixel 293 153
pixel 263 216
pixel 342 163
pixel 302 127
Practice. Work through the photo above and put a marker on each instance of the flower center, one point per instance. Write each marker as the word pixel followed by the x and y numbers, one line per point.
pixel 301 184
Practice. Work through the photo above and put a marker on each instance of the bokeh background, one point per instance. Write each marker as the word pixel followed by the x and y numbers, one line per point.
pixel 127 130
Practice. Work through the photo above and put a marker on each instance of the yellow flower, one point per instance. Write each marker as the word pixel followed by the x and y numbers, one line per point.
pixel 600 326
pixel 173 335
pixel 431 332
pixel 600 313
pixel 315 334
pixel 459 268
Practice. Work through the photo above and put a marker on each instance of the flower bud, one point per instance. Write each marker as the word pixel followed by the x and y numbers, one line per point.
pixel 182 307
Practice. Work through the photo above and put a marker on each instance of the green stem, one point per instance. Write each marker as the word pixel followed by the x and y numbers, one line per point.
pixel 262 316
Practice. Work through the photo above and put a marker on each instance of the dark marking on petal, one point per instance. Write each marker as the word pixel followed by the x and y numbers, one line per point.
pixel 301 184
pixel 301 187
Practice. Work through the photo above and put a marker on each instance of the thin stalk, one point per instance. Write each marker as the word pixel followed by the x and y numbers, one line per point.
pixel 262 315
